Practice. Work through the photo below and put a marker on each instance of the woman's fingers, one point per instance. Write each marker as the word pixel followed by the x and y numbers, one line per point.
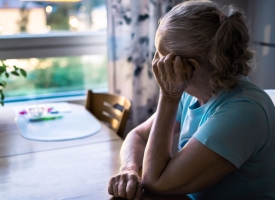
pixel 138 192
pixel 115 186
pixel 155 69
pixel 179 68
pixel 160 66
pixel 110 187
pixel 158 69
pixel 125 185
pixel 168 66
pixel 131 189
pixel 173 74
pixel 156 57
pixel 122 186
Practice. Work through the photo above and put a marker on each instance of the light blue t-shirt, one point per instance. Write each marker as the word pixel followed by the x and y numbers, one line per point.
pixel 240 126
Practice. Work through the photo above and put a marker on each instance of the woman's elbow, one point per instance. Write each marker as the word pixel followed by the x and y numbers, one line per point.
pixel 164 188
pixel 153 186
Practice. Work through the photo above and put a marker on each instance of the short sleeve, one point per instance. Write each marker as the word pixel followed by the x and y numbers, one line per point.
pixel 235 131
pixel 180 108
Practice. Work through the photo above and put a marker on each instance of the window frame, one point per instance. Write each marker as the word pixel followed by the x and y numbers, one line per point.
pixel 52 45
pixel 61 44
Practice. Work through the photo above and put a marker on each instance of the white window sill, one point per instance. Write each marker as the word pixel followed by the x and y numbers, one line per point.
pixel 80 99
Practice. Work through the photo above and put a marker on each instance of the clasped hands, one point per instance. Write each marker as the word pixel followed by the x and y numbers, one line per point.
pixel 172 74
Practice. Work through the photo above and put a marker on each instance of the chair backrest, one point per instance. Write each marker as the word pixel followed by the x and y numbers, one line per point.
pixel 109 108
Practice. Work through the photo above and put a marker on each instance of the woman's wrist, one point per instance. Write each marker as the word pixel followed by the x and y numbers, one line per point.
pixel 171 98
pixel 131 168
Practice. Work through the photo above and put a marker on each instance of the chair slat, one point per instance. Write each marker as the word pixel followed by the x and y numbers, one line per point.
pixel 113 122
pixel 117 114
pixel 109 108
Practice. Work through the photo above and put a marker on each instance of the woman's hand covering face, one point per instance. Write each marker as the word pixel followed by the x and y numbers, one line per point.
pixel 172 74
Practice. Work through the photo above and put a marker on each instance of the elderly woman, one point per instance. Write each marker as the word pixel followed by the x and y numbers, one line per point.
pixel 226 123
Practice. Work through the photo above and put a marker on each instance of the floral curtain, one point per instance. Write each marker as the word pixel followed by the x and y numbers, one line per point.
pixel 131 32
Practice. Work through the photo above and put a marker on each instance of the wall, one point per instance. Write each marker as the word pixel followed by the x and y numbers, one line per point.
pixel 240 4
pixel 263 41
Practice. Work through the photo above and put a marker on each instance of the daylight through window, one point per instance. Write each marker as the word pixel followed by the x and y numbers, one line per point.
pixel 62 46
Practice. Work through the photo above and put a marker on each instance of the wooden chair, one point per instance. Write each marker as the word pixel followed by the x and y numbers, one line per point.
pixel 112 109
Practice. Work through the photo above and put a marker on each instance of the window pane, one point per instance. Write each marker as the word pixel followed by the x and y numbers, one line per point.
pixel 57 75
pixel 45 17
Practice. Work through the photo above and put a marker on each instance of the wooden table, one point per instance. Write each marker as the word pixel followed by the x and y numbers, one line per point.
pixel 77 169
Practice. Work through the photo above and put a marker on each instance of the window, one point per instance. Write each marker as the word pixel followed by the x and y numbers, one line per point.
pixel 62 46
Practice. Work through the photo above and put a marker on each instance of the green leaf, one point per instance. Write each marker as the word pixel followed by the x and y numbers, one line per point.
pixel 7 74
pixel 15 73
pixel 3 84
pixel 2 69
pixel 15 68
pixel 2 103
pixel 2 95
pixel 4 65
pixel 23 72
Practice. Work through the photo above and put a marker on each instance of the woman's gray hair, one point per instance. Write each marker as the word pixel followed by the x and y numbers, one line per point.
pixel 201 30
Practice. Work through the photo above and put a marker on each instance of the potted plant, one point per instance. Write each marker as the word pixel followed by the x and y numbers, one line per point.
pixel 7 71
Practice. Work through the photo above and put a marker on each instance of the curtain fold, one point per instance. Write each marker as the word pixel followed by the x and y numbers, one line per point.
pixel 132 25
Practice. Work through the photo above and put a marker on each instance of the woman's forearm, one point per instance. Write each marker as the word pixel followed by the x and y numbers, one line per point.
pixel 133 147
pixel 132 152
pixel 127 183
pixel 158 149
